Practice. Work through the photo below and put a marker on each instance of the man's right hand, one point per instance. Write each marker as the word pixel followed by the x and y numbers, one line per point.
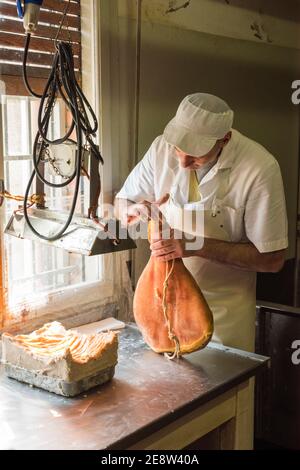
pixel 138 212
pixel 132 213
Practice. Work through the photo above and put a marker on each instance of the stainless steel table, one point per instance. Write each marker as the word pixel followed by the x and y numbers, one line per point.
pixel 151 403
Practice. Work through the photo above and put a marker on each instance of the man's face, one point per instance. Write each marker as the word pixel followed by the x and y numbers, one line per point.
pixel 193 163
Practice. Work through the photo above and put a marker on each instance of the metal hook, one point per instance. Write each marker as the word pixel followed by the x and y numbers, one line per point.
pixel 69 35
pixel 62 22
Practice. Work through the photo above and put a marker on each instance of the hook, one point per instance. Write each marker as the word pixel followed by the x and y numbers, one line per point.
pixel 62 22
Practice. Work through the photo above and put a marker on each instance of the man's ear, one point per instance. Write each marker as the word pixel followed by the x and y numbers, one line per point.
pixel 226 139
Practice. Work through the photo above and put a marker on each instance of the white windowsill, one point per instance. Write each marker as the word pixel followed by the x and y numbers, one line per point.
pixel 73 307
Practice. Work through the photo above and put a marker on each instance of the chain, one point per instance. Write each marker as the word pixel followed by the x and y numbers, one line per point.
pixel 52 163
pixel 46 156
pixel 33 199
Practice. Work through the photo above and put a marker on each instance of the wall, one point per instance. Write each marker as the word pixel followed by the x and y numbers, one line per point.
pixel 272 22
pixel 250 68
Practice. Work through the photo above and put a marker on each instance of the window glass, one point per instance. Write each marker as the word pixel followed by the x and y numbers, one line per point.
pixel 35 269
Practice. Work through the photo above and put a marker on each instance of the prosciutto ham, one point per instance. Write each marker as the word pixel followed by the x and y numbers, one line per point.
pixel 170 309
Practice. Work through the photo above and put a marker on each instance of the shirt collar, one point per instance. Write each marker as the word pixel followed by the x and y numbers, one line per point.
pixel 227 156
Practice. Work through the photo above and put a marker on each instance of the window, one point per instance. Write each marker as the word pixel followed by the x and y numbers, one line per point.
pixel 35 269
pixel 38 279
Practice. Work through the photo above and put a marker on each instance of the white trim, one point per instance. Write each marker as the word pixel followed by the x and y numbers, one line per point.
pixel 91 310
pixel 106 14
pixel 1 140
pixel 99 21
pixel 65 302
pixel 2 209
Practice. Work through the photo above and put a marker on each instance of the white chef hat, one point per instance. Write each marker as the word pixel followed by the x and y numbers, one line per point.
pixel 200 121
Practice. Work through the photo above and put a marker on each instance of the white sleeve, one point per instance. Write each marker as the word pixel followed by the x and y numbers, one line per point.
pixel 139 185
pixel 265 213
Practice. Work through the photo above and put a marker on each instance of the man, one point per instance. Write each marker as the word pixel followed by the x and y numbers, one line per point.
pixel 201 161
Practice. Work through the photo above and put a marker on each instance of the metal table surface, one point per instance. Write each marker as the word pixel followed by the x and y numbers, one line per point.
pixel 147 392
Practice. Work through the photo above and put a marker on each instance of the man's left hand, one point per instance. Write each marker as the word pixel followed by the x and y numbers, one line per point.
pixel 166 250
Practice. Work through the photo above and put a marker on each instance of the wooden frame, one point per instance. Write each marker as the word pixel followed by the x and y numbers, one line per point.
pixel 2 270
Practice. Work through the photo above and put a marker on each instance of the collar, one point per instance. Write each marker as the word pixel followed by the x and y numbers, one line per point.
pixel 227 156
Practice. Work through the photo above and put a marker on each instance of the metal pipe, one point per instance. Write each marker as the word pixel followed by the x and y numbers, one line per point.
pixel 137 81
pixel 136 112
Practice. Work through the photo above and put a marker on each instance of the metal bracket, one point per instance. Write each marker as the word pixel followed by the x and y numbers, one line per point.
pixel 2 189
pixel 95 183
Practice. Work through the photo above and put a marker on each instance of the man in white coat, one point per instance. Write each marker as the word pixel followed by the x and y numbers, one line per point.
pixel 204 164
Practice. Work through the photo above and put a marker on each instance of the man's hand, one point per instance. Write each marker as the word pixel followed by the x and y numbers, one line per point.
pixel 145 211
pixel 169 249
pixel 131 213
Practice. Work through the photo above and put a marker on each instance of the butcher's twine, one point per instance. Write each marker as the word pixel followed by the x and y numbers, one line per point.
pixel 171 334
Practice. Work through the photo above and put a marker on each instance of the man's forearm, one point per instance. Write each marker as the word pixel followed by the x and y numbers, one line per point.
pixel 244 256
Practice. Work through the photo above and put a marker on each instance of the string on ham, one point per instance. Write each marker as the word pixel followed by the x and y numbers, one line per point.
pixel 171 334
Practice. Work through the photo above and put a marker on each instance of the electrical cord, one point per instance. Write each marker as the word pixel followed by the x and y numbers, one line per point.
pixel 61 82
pixel 24 68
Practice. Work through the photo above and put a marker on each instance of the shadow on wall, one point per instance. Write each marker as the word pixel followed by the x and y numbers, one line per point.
pixel 255 79
pixel 274 9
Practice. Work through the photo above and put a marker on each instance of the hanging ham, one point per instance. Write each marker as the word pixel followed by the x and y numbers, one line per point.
pixel 170 309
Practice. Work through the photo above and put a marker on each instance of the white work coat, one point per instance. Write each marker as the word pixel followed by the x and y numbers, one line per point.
pixel 242 197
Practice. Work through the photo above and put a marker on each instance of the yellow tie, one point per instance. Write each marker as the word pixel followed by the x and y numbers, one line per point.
pixel 194 193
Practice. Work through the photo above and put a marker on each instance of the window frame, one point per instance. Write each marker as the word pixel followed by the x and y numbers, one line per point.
pixel 102 294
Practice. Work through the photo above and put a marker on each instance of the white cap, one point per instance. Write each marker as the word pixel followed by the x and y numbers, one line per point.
pixel 200 121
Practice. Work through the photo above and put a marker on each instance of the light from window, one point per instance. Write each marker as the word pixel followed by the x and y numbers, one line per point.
pixel 34 269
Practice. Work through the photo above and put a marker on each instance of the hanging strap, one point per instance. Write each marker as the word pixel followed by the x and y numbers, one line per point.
pixel 171 334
